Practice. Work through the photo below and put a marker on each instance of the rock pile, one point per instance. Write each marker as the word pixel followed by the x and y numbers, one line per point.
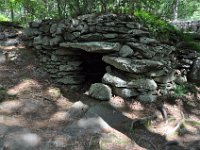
pixel 137 65
pixel 10 39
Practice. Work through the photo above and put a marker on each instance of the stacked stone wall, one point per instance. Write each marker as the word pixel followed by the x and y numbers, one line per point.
pixel 137 64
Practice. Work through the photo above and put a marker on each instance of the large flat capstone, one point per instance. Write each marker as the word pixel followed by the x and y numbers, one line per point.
pixel 132 65
pixel 97 47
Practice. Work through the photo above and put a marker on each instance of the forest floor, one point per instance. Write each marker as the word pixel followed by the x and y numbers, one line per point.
pixel 34 114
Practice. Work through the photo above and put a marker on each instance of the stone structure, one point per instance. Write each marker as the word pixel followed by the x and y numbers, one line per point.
pixel 193 26
pixel 10 39
pixel 136 65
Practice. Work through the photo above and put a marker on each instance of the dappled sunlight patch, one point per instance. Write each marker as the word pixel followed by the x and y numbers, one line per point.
pixel 54 92
pixel 59 116
pixel 63 103
pixel 11 121
pixel 10 106
pixel 20 140
pixel 61 141
pixel 24 85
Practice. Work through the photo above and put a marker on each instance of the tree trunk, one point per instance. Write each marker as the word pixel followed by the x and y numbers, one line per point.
pixel 12 12
pixel 175 11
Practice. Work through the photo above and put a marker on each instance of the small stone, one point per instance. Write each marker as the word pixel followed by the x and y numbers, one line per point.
pixel 100 91
pixel 126 51
pixel 147 98
pixel 125 92
pixel 114 80
pixel 148 84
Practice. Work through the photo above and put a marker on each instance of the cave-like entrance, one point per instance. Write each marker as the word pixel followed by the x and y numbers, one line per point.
pixel 93 67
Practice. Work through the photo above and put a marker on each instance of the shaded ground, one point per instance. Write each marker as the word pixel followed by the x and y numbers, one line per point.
pixel 35 114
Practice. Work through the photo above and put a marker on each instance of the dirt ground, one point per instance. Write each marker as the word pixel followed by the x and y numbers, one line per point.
pixel 31 103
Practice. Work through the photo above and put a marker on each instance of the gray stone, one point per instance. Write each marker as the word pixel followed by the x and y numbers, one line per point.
pixel 36 24
pixel 126 51
pixel 131 25
pixel 2 57
pixel 77 110
pixel 74 79
pixel 103 29
pixel 91 37
pixel 55 41
pixel 110 36
pixel 132 65
pixel 44 28
pixel 158 73
pixel 148 84
pixel 114 80
pixel 69 36
pixel 10 42
pixel 171 76
pixel 72 67
pixel 164 50
pixel 167 86
pixel 100 91
pixel 147 98
pixel 52 70
pixel 53 28
pixel 46 40
pixel 97 47
pixel 138 32
pixel 60 28
pixel 87 125
pixel 2 36
pixel 37 40
pixel 125 92
pixel 145 50
pixel 31 32
pixel 110 114
pixel 194 75
pixel 147 40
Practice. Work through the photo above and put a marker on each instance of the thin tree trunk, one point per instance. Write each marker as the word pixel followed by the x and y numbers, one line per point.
pixel 12 12
pixel 176 10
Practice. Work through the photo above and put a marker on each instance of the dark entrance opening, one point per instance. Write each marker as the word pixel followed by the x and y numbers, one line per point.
pixel 93 67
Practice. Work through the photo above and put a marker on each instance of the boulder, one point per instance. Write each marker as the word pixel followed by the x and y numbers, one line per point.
pixel 114 80
pixel 194 75
pixel 147 98
pixel 96 47
pixel 100 91
pixel 132 65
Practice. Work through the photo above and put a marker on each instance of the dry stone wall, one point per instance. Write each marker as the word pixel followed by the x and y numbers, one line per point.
pixel 188 25
pixel 10 40
pixel 137 64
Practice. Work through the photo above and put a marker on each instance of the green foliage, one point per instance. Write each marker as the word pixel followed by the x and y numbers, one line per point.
pixel 4 18
pixel 182 89
pixel 28 10
pixel 189 41
pixel 159 27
